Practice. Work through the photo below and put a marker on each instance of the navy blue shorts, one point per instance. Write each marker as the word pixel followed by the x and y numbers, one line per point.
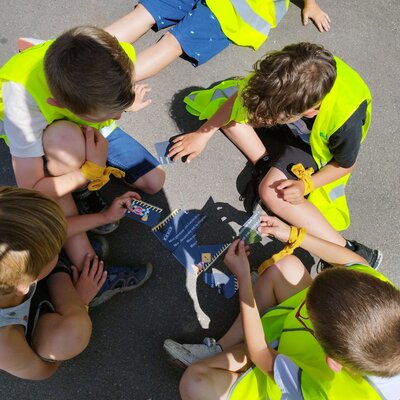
pixel 126 153
pixel 286 150
pixel 193 24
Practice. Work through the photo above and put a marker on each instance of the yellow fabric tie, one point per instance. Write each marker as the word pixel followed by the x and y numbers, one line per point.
pixel 305 176
pixel 98 175
pixel 296 237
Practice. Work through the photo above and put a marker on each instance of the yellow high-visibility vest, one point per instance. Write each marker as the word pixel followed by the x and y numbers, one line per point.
pixel 248 22
pixel 316 379
pixel 27 68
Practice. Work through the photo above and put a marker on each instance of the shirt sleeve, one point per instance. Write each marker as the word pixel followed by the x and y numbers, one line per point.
pixel 286 375
pixel 344 144
pixel 23 121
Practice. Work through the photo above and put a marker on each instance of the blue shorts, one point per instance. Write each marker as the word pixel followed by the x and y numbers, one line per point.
pixel 125 153
pixel 195 27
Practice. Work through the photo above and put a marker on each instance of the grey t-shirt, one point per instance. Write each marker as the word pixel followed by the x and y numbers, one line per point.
pixel 286 375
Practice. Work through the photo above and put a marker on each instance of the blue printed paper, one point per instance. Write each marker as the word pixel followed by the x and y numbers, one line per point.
pixel 162 149
pixel 144 212
pixel 178 234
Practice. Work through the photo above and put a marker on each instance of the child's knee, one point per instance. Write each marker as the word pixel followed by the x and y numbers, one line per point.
pixel 193 381
pixel 74 335
pixel 269 195
pixel 64 146
pixel 152 182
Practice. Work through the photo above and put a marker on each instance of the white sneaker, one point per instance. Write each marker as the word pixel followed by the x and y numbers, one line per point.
pixel 184 355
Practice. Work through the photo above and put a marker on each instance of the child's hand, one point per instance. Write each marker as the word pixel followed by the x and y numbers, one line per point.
pixel 119 206
pixel 190 145
pixel 236 259
pixel 141 89
pixel 321 20
pixel 90 280
pixel 96 146
pixel 291 191
pixel 272 226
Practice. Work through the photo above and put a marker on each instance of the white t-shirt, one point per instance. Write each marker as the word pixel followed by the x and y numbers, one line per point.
pixel 286 375
pixel 23 121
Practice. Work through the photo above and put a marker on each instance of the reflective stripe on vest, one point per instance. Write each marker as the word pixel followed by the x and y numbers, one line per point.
pixel 248 22
pixel 27 68
pixel 316 379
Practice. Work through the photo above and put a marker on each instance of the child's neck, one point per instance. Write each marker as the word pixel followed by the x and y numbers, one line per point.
pixel 12 299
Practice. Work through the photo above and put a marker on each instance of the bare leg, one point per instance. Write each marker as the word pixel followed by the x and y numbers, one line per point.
pixel 78 246
pixel 155 58
pixel 132 26
pixel 245 138
pixel 279 282
pixel 65 333
pixel 152 182
pixel 301 215
pixel 61 160
pixel 69 156
pixel 212 378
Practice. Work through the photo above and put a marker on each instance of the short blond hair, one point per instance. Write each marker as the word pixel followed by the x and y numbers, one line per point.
pixel 88 71
pixel 32 231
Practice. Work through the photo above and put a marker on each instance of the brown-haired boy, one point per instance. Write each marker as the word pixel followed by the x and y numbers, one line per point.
pixel 41 323
pixel 58 106
pixel 310 108
pixel 335 337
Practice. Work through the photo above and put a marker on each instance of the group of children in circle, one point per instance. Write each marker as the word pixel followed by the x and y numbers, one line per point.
pixel 299 117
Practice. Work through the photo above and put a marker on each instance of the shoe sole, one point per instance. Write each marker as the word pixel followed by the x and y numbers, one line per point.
pixel 111 293
pixel 378 260
pixel 113 226
pixel 172 349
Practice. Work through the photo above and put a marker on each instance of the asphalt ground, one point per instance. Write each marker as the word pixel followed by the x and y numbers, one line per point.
pixel 125 359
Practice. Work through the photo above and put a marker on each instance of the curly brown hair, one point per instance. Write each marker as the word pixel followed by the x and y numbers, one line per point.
pixel 287 83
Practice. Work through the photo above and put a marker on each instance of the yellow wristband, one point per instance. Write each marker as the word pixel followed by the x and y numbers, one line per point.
pixel 305 176
pixel 99 175
pixel 296 237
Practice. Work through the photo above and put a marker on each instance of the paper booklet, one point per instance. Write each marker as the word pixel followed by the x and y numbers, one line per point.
pixel 144 212
pixel 177 233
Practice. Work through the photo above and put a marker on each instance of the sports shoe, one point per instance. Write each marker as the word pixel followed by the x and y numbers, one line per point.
pixel 122 279
pixel 373 256
pixel 100 246
pixel 89 202
pixel 184 355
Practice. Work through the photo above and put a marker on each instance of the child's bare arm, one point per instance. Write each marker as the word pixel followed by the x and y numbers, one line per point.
pixel 190 145
pixel 258 350
pixel 29 174
pixel 311 10
pixel 328 251
pixel 18 358
pixel 116 211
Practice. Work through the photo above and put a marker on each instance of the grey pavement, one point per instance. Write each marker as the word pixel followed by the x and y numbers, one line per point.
pixel 125 359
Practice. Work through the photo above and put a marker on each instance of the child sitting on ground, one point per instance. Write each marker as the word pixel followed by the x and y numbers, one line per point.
pixel 201 29
pixel 43 305
pixel 335 337
pixel 58 105
pixel 319 110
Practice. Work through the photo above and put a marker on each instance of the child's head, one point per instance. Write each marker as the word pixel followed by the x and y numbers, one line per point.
pixel 32 232
pixel 356 319
pixel 288 83
pixel 89 73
